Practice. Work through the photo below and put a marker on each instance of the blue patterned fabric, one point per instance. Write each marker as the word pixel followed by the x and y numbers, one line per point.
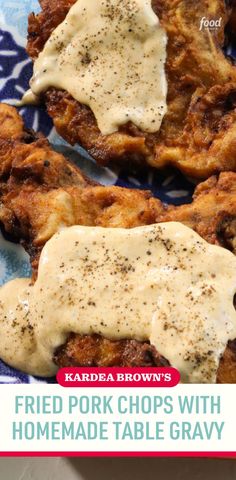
pixel 15 72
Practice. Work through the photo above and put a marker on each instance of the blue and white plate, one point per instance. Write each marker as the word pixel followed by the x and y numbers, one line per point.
pixel 15 72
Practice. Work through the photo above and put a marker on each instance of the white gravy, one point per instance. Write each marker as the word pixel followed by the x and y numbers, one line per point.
pixel 162 283
pixel 109 55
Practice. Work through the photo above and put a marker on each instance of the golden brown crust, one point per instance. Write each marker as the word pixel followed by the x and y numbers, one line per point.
pixel 37 182
pixel 42 25
pixel 40 189
pixel 76 123
pixel 12 125
pixel 97 351
pixel 199 130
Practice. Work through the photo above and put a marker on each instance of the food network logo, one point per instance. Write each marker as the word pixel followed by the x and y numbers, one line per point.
pixel 210 24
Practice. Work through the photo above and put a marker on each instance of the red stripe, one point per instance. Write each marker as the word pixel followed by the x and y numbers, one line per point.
pixel 120 454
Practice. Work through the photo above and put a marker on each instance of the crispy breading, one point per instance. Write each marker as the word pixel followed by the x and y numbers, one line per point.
pixel 94 350
pixel 199 130
pixel 41 190
pixel 12 125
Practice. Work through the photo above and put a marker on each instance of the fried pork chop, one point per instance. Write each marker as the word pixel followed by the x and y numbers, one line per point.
pixel 198 133
pixel 41 191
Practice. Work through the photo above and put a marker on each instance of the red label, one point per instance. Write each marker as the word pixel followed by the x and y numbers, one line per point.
pixel 118 377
